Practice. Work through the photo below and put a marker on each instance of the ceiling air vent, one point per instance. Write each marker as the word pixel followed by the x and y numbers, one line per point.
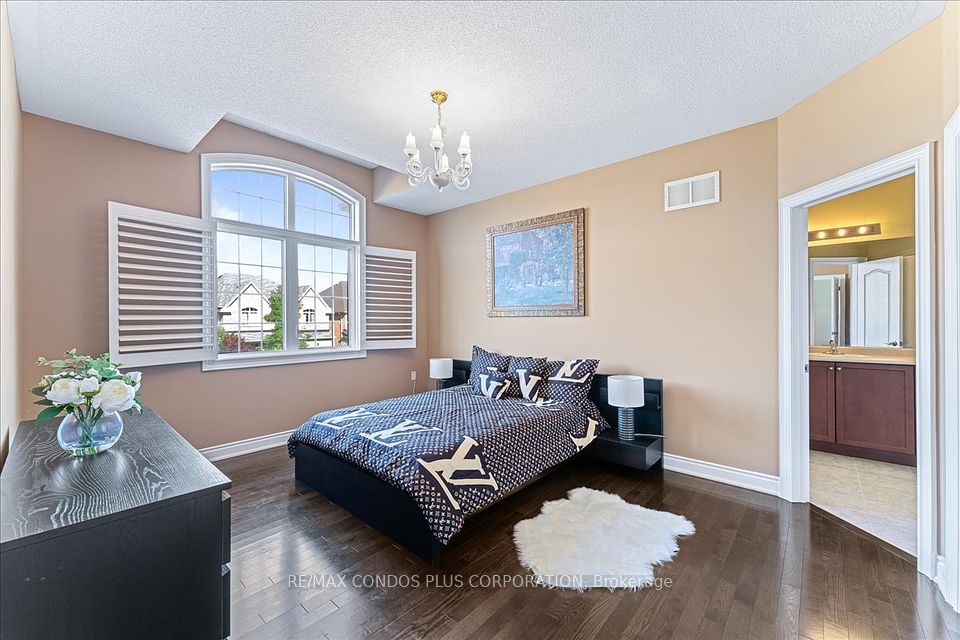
pixel 691 192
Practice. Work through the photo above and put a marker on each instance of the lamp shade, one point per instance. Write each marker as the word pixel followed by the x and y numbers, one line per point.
pixel 625 391
pixel 441 368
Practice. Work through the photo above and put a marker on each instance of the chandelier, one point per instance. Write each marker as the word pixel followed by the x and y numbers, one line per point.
pixel 440 175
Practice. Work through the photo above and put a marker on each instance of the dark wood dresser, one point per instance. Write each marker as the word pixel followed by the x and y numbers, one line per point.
pixel 131 543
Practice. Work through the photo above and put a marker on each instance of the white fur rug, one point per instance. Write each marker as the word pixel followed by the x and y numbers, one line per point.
pixel 596 539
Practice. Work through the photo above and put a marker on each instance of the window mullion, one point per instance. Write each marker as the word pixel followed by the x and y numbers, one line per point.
pixel 291 285
pixel 290 295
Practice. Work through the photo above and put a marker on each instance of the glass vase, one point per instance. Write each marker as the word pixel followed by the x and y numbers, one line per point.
pixel 85 436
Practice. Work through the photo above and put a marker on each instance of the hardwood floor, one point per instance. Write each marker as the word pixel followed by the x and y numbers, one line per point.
pixel 757 568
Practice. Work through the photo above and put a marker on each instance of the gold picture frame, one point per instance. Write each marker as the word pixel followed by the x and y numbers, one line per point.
pixel 535 267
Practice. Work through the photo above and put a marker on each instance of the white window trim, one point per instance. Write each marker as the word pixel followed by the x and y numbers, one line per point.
pixel 290 316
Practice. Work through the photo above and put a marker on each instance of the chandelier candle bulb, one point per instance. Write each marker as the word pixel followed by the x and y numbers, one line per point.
pixel 444 163
pixel 410 148
pixel 464 149
pixel 436 140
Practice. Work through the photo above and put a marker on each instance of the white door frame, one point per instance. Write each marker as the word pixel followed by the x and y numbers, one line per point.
pixel 950 580
pixel 794 335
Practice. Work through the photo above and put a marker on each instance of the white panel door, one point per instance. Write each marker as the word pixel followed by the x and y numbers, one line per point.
pixel 877 305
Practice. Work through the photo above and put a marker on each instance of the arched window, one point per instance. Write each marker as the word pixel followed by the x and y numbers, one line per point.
pixel 285 230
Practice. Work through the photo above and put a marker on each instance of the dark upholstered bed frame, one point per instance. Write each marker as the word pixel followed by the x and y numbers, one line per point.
pixel 393 511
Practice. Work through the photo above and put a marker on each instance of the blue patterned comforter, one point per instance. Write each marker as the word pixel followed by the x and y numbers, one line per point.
pixel 454 451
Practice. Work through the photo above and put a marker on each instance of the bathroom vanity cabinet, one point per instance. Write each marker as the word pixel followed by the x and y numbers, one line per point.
pixel 864 410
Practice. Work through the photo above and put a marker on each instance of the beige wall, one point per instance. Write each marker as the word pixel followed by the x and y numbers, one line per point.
pixel 689 296
pixel 9 215
pixel 69 175
pixel 950 47
pixel 886 105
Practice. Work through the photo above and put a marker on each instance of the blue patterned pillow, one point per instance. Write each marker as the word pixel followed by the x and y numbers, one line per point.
pixel 528 377
pixel 483 359
pixel 570 380
pixel 494 383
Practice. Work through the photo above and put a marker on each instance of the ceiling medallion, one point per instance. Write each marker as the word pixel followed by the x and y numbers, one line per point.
pixel 440 175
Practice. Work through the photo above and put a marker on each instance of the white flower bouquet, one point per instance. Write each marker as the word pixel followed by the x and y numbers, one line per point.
pixel 91 391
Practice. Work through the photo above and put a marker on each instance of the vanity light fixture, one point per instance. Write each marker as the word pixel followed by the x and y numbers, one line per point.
pixel 844 232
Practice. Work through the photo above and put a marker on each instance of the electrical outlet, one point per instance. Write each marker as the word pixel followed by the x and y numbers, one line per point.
pixel 413 376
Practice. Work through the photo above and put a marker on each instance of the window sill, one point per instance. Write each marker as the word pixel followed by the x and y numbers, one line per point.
pixel 272 361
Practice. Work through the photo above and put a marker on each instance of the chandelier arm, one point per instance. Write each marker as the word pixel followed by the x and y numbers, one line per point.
pixel 417 172
pixel 414 168
pixel 416 182
pixel 463 169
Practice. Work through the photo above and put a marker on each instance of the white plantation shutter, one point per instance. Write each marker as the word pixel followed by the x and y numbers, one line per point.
pixel 390 298
pixel 162 304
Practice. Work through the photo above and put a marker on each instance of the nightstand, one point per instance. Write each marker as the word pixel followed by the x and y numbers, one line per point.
pixel 644 451
pixel 640 453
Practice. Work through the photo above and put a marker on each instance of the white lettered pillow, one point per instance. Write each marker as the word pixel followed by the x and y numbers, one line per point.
pixel 528 377
pixel 494 383
pixel 570 380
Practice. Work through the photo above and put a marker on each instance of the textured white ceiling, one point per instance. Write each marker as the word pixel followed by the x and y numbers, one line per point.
pixel 546 89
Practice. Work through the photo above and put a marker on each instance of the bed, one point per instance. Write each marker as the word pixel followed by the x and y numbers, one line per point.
pixel 416 467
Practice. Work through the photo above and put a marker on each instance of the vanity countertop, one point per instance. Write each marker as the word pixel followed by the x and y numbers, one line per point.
pixel 866 356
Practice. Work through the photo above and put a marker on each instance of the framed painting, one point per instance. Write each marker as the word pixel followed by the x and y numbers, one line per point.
pixel 535 267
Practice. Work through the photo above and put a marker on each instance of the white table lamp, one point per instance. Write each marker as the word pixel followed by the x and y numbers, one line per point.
pixel 441 369
pixel 625 393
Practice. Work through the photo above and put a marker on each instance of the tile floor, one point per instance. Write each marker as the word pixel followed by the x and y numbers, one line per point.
pixel 878 497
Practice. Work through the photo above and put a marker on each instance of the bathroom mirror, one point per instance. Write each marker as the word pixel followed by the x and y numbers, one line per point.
pixel 862 248
pixel 862 303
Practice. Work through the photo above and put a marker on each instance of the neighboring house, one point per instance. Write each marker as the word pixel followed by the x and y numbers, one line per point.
pixel 243 303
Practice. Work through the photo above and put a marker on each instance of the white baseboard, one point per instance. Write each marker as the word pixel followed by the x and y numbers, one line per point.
pixel 762 482
pixel 942 579
pixel 940 574
pixel 242 447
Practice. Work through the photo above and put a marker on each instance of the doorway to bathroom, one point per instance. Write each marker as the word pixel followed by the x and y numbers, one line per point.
pixel 851 358
pixel 861 376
